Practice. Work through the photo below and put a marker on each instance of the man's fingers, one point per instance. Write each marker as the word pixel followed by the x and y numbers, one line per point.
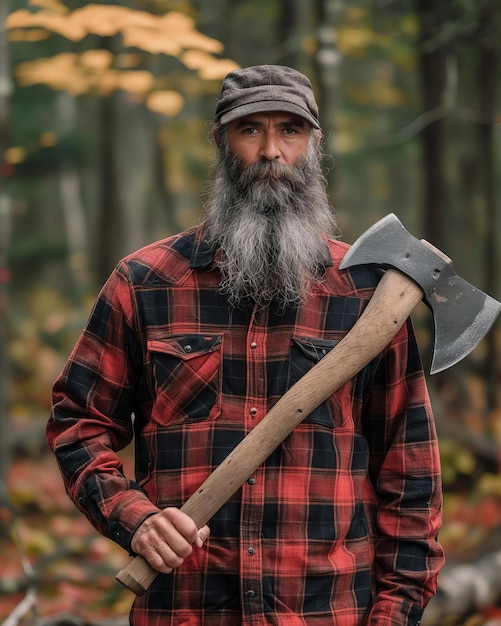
pixel 203 534
pixel 167 538
pixel 170 557
pixel 182 523
pixel 165 553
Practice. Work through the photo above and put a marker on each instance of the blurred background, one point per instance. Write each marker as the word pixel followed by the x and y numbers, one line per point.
pixel 105 110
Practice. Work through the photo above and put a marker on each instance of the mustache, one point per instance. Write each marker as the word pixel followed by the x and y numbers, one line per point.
pixel 264 171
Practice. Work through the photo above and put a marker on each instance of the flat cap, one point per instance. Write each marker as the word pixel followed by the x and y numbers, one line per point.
pixel 264 88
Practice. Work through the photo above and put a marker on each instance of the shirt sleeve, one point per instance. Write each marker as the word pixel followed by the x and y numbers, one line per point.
pixel 405 472
pixel 91 418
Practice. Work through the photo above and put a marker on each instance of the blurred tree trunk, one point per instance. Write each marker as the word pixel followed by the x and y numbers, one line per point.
pixel 487 75
pixel 109 225
pixel 289 32
pixel 136 159
pixel 327 62
pixel 5 93
pixel 71 197
pixel 432 58
pixel 134 202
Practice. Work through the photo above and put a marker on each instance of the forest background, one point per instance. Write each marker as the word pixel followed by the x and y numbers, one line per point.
pixel 105 110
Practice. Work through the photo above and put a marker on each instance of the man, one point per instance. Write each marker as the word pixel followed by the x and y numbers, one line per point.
pixel 197 337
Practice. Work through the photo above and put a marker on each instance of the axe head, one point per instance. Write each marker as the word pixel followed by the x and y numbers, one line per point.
pixel 462 314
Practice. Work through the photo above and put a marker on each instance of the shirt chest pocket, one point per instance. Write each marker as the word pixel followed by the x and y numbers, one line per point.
pixel 187 377
pixel 305 353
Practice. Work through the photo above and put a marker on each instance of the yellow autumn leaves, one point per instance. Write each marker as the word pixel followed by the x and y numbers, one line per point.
pixel 99 71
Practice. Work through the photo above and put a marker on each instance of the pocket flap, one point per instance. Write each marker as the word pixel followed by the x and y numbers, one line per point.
pixel 314 349
pixel 185 346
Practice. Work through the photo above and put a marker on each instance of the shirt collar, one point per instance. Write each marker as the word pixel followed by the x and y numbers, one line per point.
pixel 202 254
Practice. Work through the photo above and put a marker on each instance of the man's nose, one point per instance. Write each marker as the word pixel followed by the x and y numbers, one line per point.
pixel 270 149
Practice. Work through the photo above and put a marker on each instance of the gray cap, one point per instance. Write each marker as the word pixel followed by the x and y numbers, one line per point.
pixel 264 88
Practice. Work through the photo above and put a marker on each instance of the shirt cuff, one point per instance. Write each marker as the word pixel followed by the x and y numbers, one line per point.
pixel 133 509
pixel 388 613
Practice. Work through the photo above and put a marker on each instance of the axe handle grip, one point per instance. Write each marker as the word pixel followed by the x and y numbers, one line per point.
pixel 391 304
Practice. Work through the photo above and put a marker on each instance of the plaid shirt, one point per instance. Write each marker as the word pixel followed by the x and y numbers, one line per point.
pixel 337 527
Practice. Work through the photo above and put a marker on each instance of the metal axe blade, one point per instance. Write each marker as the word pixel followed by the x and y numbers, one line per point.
pixel 462 313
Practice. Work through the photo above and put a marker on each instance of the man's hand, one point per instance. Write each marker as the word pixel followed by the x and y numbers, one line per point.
pixel 167 538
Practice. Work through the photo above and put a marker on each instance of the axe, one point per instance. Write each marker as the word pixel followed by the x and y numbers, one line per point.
pixel 414 269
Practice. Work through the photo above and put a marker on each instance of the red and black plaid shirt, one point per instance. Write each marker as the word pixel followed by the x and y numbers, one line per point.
pixel 338 527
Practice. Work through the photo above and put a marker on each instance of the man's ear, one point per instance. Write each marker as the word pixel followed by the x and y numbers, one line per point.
pixel 216 135
pixel 317 135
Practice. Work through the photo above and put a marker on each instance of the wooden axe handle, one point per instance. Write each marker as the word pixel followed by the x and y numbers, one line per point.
pixel 392 302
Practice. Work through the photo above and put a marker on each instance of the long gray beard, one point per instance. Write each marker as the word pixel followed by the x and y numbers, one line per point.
pixel 270 222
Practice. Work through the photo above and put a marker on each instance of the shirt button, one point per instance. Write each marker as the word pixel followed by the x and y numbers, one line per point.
pixel 253 345
pixel 187 348
pixel 250 593
pixel 250 551
pixel 251 481
pixel 253 411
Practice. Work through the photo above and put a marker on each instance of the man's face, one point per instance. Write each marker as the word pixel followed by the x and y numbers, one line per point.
pixel 267 209
pixel 274 136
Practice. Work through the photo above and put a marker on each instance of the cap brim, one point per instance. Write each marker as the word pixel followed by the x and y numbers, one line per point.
pixel 265 106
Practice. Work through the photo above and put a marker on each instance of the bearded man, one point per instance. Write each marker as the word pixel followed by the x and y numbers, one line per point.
pixel 193 339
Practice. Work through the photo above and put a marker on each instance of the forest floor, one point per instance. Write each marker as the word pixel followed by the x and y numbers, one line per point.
pixel 51 556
